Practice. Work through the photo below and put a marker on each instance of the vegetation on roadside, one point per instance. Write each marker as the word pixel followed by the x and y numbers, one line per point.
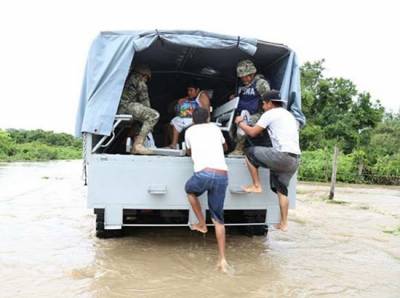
pixel 35 145
pixel 337 113
pixel 395 231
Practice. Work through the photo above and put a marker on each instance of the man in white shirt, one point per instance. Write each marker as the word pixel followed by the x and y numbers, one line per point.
pixel 206 144
pixel 282 158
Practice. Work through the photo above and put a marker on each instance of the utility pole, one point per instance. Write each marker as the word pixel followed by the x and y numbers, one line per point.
pixel 334 169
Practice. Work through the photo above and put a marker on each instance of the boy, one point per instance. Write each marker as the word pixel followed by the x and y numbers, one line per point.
pixel 206 145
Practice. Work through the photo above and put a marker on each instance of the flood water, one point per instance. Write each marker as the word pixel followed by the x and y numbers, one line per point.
pixel 48 247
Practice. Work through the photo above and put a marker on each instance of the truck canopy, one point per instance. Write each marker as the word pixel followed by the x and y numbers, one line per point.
pixel 174 58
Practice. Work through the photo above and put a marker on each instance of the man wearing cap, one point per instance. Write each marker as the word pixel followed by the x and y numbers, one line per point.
pixel 282 158
pixel 136 102
pixel 250 92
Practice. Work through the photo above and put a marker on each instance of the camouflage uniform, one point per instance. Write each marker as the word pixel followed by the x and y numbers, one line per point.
pixel 246 67
pixel 262 87
pixel 136 102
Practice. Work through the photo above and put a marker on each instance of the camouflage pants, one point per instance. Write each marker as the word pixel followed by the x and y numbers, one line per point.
pixel 146 115
pixel 240 140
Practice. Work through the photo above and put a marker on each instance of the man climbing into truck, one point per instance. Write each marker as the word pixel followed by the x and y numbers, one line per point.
pixel 282 158
pixel 206 145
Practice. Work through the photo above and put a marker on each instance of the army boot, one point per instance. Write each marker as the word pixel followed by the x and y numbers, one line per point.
pixel 238 149
pixel 138 147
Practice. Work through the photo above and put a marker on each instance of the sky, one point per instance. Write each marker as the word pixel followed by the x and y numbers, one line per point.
pixel 45 44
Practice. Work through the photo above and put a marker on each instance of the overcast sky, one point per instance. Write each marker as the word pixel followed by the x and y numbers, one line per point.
pixel 45 44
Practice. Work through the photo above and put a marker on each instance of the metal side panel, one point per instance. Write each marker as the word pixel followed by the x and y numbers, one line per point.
pixel 157 182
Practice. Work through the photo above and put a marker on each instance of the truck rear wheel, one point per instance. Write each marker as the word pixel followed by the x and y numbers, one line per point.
pixel 100 231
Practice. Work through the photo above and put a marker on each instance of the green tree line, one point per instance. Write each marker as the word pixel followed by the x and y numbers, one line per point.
pixel 337 113
pixel 17 145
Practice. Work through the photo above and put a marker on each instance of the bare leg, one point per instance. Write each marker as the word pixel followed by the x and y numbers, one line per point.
pixel 194 202
pixel 167 134
pixel 175 137
pixel 284 205
pixel 256 187
pixel 220 235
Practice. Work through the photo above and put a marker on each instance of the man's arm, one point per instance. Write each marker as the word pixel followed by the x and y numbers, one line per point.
pixel 225 146
pixel 143 94
pixel 204 100
pixel 251 131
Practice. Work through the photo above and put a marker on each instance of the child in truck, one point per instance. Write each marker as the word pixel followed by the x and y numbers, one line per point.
pixel 185 108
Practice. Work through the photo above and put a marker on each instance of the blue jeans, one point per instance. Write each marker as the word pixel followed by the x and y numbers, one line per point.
pixel 215 184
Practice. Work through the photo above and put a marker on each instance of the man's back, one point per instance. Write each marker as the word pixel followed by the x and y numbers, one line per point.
pixel 282 128
pixel 205 141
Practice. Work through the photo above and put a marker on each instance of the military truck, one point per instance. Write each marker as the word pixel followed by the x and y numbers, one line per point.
pixel 127 190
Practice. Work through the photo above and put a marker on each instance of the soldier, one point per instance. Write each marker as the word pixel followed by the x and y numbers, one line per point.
pixel 136 102
pixel 253 87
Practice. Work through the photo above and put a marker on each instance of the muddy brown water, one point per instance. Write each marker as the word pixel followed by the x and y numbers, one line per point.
pixel 48 247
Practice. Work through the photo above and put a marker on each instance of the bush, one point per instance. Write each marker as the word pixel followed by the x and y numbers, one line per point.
pixel 38 145
pixel 7 146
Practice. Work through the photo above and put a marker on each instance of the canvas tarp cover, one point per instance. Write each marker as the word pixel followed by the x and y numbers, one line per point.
pixel 110 58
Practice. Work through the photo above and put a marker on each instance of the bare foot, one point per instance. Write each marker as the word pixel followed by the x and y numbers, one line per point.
pixel 252 188
pixel 223 266
pixel 200 228
pixel 171 146
pixel 283 227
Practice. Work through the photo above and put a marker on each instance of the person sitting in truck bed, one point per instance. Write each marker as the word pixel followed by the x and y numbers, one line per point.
pixel 136 102
pixel 250 92
pixel 185 108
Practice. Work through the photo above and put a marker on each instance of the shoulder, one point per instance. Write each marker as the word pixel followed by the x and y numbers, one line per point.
pixel 190 130
pixel 203 93
pixel 262 85
pixel 139 84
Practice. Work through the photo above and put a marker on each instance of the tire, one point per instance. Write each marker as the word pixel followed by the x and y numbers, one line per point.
pixel 100 231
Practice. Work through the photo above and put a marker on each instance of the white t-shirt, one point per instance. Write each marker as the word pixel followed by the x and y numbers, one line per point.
pixel 282 129
pixel 205 140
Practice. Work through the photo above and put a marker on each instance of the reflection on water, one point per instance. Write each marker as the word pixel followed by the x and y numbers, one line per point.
pixel 48 248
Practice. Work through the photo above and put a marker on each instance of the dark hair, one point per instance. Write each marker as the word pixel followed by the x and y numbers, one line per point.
pixel 200 115
pixel 193 84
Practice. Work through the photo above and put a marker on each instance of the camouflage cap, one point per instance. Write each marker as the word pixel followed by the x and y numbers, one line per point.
pixel 143 70
pixel 245 68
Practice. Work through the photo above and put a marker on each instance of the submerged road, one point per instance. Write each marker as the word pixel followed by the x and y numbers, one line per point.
pixel 350 248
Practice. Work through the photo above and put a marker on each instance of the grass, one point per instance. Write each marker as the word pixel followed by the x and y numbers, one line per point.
pixel 395 231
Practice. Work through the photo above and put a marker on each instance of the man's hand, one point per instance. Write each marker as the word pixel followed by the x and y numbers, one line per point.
pixel 238 119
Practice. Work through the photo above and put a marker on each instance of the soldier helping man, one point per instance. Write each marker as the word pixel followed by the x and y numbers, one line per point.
pixel 136 102
pixel 253 87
